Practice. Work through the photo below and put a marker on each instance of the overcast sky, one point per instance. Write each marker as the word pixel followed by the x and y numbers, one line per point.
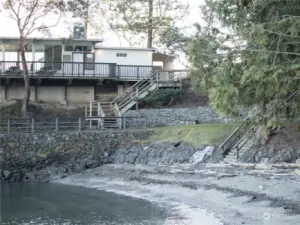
pixel 8 27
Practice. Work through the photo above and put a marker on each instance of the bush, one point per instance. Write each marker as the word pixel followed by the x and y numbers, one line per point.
pixel 161 97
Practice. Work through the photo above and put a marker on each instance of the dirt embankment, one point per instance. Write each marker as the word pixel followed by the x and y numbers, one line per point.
pixel 13 110
pixel 282 146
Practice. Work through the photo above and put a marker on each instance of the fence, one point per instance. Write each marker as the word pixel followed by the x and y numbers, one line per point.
pixel 86 124
pixel 40 125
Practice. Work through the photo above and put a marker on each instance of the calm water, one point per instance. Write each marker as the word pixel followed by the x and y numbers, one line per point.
pixel 60 204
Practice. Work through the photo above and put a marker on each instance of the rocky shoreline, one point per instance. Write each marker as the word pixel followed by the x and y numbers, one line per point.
pixel 45 157
pixel 42 157
pixel 60 165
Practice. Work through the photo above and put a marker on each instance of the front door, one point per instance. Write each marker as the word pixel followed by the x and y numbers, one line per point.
pixel 77 64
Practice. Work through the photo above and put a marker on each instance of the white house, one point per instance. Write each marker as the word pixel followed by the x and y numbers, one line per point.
pixel 63 69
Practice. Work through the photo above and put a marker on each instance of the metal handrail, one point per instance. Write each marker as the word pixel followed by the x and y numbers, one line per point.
pixel 236 134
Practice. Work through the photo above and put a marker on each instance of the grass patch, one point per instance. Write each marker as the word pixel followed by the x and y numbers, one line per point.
pixel 194 135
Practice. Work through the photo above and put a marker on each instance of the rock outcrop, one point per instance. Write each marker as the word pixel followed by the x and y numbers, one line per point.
pixel 45 156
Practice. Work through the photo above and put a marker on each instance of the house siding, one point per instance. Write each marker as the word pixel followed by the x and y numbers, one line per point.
pixel 134 57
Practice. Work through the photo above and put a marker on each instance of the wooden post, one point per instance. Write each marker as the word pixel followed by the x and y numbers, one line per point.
pixel 124 123
pixel 98 113
pixel 79 124
pixel 91 108
pixel 56 124
pixel 8 126
pixel 32 125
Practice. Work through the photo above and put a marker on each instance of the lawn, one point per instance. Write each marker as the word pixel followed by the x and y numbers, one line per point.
pixel 194 135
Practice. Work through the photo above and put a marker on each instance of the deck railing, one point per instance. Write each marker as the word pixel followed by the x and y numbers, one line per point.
pixel 75 69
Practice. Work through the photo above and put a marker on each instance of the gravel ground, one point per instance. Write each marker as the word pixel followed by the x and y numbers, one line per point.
pixel 213 196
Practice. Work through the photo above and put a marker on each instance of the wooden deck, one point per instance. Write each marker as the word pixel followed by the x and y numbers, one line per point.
pixel 63 70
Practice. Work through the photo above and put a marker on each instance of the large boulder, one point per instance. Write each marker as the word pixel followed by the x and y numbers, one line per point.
pixel 156 153
pixel 202 156
pixel 6 174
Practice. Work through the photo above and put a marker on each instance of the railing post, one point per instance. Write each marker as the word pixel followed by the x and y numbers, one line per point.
pixel 119 71
pixel 63 69
pixel 91 108
pixel 56 125
pixel 79 124
pixel 90 124
pixel 8 126
pixel 98 113
pixel 124 123
pixel 32 125
pixel 138 73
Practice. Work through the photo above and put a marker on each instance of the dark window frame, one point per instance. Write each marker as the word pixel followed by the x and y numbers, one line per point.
pixel 119 54
pixel 88 65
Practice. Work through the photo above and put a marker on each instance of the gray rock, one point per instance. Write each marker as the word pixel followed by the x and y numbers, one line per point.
pixel 156 153
pixel 92 164
pixel 29 177
pixel 55 154
pixel 6 174
pixel 172 117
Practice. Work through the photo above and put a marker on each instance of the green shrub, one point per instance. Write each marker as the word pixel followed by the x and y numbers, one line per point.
pixel 108 98
pixel 161 97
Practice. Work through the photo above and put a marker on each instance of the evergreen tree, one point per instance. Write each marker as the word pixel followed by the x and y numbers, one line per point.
pixel 143 17
pixel 248 54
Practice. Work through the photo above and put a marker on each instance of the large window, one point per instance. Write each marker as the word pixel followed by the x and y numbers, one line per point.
pixel 78 48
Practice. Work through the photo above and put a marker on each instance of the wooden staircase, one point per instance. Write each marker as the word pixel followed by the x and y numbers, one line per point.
pixel 139 90
pixel 94 114
pixel 112 111
pixel 239 141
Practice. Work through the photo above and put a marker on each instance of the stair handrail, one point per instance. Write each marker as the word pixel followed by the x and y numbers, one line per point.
pixel 118 115
pixel 89 109
pixel 133 87
pixel 236 134
pixel 101 114
pixel 135 90
pixel 245 138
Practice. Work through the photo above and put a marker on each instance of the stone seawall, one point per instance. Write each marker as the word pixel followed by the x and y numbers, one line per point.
pixel 44 156
pixel 173 117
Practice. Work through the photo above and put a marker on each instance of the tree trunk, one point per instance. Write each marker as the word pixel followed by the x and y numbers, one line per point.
pixel 150 24
pixel 85 28
pixel 26 78
pixel 86 20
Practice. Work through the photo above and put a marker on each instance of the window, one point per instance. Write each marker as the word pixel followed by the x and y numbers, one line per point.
pixel 68 48
pixel 121 54
pixel 89 61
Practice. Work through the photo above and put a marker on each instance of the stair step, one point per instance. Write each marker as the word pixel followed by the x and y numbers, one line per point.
pixel 230 157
